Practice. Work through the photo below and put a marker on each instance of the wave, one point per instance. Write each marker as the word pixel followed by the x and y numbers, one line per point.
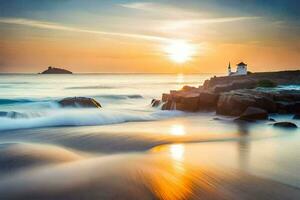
pixel 121 96
pixel 81 117
pixel 90 87
pixel 12 101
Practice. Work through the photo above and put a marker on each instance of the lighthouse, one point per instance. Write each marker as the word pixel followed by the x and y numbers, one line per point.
pixel 229 69
pixel 241 69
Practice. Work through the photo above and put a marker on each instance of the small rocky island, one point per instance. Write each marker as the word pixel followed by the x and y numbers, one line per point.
pixel 249 97
pixel 55 70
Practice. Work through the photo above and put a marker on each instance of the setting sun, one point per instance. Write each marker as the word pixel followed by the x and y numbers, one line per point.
pixel 180 51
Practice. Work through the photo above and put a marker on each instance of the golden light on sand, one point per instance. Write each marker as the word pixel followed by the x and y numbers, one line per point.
pixel 177 129
pixel 180 51
pixel 177 152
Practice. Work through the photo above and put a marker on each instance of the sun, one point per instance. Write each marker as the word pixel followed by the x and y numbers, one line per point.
pixel 180 51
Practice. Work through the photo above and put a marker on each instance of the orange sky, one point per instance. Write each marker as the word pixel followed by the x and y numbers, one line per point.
pixel 135 41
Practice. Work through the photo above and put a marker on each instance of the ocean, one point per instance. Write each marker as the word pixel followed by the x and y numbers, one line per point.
pixel 130 150
pixel 124 98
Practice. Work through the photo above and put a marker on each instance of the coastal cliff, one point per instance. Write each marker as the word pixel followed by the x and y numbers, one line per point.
pixel 280 78
pixel 233 95
pixel 54 70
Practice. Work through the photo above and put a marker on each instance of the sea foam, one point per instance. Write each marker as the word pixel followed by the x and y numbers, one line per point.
pixel 81 117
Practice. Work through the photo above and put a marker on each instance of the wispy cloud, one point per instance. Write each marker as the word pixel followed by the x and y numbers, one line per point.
pixel 220 20
pixel 161 9
pixel 183 17
pixel 56 26
pixel 140 5
pixel 179 24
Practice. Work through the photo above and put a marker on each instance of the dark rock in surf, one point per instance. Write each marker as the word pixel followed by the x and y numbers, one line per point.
pixel 296 116
pixel 285 125
pixel 272 120
pixel 253 113
pixel 155 102
pixel 79 102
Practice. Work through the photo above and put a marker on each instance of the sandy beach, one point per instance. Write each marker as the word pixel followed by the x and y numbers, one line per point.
pixel 142 163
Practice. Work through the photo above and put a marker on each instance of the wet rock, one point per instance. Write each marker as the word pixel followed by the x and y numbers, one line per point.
pixel 288 107
pixel 187 103
pixel 252 113
pixel 208 100
pixel 79 102
pixel 272 120
pixel 165 97
pixel 296 116
pixel 155 102
pixel 234 103
pixel 217 119
pixel 285 125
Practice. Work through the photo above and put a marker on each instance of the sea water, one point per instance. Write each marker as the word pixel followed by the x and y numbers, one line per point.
pixel 131 150
pixel 124 98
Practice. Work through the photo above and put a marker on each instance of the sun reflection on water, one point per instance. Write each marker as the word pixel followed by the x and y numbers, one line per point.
pixel 177 129
pixel 177 152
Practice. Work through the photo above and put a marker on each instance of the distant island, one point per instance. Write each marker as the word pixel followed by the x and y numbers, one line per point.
pixel 54 70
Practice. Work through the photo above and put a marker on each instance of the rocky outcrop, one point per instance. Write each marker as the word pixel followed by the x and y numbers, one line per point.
pixel 54 70
pixel 285 125
pixel 235 94
pixel 234 103
pixel 208 100
pixel 253 113
pixel 235 85
pixel 79 102
pixel 279 78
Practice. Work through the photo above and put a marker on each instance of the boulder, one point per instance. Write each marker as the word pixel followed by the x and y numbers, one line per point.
pixel 296 116
pixel 253 113
pixel 272 120
pixel 234 103
pixel 285 125
pixel 155 102
pixel 207 100
pixel 187 103
pixel 288 107
pixel 79 102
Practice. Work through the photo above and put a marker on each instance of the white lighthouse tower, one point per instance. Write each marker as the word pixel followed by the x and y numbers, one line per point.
pixel 229 69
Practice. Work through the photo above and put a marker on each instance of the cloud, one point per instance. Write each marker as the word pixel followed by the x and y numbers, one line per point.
pixel 179 24
pixel 183 17
pixel 161 9
pixel 139 5
pixel 220 20
pixel 56 26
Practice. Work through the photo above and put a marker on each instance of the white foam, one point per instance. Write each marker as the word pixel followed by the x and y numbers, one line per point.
pixel 83 117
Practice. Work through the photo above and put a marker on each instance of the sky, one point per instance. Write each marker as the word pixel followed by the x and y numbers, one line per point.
pixel 123 36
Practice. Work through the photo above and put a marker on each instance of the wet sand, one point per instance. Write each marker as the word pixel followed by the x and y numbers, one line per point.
pixel 138 161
